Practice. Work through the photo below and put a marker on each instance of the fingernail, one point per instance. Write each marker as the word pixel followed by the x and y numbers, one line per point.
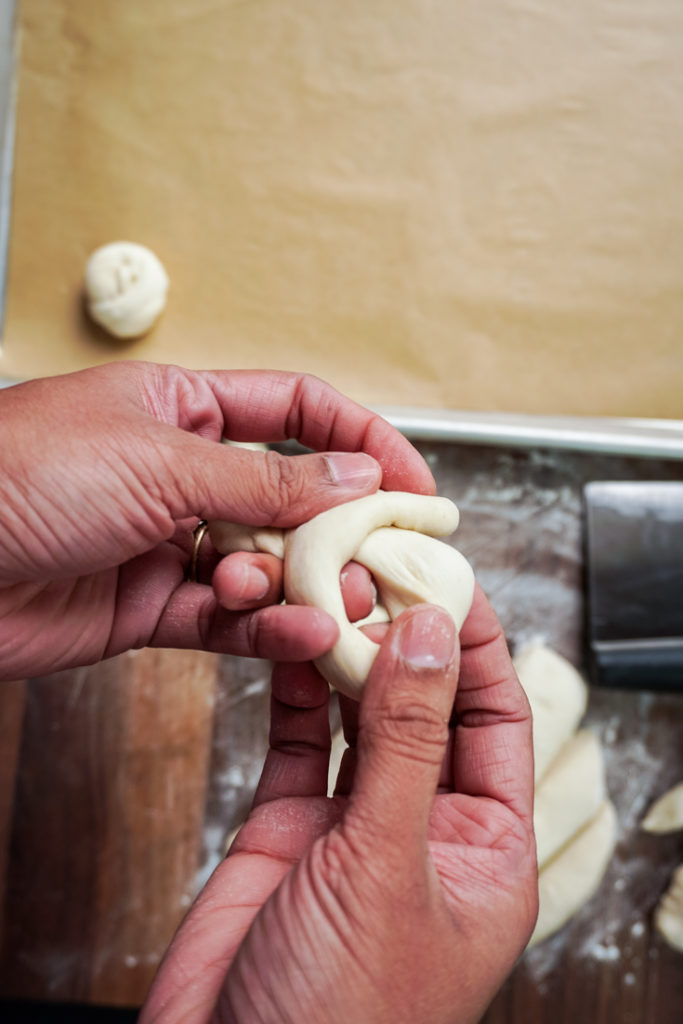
pixel 256 585
pixel 352 469
pixel 247 582
pixel 427 638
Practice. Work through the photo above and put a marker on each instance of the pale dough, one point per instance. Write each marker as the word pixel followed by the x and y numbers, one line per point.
pixel 337 751
pixel 574 874
pixel 391 533
pixel 669 913
pixel 569 794
pixel 125 287
pixel 407 566
pixel 666 814
pixel 230 537
pixel 574 822
pixel 558 697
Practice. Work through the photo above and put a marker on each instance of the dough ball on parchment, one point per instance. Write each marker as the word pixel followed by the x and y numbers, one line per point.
pixel 126 287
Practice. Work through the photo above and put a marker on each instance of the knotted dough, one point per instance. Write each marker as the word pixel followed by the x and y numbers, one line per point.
pixel 125 286
pixel 392 534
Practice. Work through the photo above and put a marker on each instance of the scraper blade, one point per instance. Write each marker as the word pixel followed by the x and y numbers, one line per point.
pixel 634 556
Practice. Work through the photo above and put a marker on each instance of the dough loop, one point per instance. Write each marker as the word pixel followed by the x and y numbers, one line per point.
pixel 392 534
pixel 126 286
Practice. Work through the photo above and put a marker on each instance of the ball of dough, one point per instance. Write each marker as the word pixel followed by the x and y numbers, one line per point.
pixel 126 287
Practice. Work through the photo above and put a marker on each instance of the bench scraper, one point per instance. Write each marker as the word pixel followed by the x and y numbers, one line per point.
pixel 634 559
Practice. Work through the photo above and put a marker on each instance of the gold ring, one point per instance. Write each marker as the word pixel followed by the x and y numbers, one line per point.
pixel 198 535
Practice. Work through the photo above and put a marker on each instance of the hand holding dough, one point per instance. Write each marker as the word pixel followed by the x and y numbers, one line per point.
pixel 392 534
pixel 125 287
pixel 385 532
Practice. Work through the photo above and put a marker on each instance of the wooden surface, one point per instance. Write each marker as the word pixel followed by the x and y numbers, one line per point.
pixel 119 783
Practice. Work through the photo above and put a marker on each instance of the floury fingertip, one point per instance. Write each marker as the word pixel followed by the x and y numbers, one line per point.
pixel 427 638
pixel 352 469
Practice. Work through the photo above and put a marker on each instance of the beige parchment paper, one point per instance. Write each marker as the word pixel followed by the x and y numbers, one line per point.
pixel 472 205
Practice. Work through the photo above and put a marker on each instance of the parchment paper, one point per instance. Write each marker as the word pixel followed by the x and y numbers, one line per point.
pixel 471 205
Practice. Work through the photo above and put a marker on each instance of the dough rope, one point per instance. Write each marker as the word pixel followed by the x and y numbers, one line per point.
pixel 391 533
pixel 574 821
pixel 669 912
pixel 666 815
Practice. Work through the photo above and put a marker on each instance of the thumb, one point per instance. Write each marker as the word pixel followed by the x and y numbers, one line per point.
pixel 403 726
pixel 266 488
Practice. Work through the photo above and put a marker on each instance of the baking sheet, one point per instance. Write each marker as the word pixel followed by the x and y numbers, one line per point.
pixel 471 206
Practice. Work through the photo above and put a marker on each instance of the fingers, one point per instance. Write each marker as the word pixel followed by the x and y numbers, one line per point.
pixel 246 580
pixel 216 481
pixel 358 591
pixel 403 727
pixel 276 406
pixel 156 606
pixel 193 619
pixel 298 760
pixel 222 482
pixel 492 753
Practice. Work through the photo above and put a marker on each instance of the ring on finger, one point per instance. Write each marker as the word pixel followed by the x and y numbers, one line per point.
pixel 197 537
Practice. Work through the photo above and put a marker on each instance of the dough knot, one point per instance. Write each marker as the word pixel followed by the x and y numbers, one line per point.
pixel 126 287
pixel 392 534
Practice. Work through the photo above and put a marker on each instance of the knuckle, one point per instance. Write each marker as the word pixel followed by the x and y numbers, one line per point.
pixel 282 483
pixel 266 634
pixel 256 631
pixel 313 402
pixel 207 624
pixel 418 731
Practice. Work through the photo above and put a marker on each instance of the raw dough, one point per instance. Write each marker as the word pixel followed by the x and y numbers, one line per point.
pixel 666 814
pixel 669 913
pixel 385 532
pixel 575 824
pixel 230 537
pixel 569 794
pixel 574 874
pixel 126 287
pixel 407 566
pixel 337 751
pixel 558 697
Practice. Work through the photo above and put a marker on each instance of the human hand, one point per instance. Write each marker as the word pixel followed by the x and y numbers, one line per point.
pixel 408 896
pixel 103 475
